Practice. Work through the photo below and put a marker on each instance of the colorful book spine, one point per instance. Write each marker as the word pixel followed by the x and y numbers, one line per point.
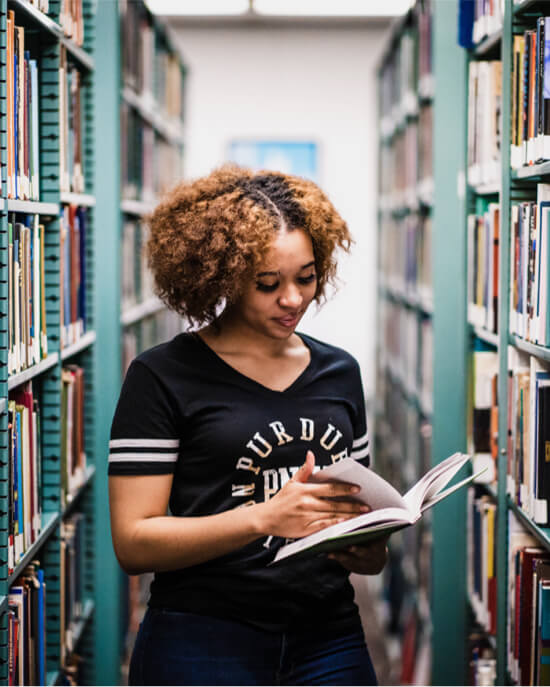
pixel 73 232
pixel 73 456
pixel 27 339
pixel 483 262
pixel 22 96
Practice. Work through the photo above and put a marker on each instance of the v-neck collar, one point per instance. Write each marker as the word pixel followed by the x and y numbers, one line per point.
pixel 250 381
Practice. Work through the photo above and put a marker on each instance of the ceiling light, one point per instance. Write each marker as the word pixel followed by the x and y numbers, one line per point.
pixel 202 8
pixel 333 8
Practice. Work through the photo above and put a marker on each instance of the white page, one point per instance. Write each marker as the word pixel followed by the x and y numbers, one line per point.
pixel 375 491
pixel 433 480
pixel 375 520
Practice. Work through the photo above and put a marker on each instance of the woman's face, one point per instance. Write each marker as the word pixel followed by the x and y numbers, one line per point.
pixel 284 285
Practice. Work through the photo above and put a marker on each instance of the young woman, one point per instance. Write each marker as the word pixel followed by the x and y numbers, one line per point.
pixel 217 432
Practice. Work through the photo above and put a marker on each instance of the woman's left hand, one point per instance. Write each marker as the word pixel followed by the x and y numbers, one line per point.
pixel 369 559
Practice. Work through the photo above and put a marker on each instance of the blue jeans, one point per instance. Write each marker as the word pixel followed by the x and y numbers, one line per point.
pixel 174 648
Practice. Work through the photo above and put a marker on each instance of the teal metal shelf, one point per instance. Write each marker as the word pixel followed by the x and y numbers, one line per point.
pixel 33 207
pixel 489 47
pixel 74 349
pixel 41 21
pixel 484 189
pixel 52 678
pixel 73 498
pixel 531 348
pixel 148 110
pixel 136 207
pixel 81 199
pixel 33 371
pixel 532 172
pixel 3 604
pixel 140 311
pixel 528 6
pixel 541 533
pixel 80 625
pixel 485 335
pixel 49 523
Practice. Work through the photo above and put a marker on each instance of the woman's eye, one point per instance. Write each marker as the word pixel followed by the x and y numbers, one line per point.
pixel 266 287
pixel 308 279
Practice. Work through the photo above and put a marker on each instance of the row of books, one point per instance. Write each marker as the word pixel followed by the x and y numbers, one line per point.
pixel 407 72
pixel 73 454
pixel 24 472
pixel 408 349
pixel 137 281
pixel 482 568
pixel 25 469
pixel 484 121
pixel 528 448
pixel 482 668
pixel 406 164
pixel 30 612
pixel 27 628
pixel 71 20
pixel 488 18
pixel 150 164
pixel 71 126
pixel 530 135
pixel 529 260
pixel 405 255
pixel 528 627
pixel 482 410
pixel 483 262
pixel 72 271
pixel 27 337
pixel 149 67
pixel 149 331
pixel 22 96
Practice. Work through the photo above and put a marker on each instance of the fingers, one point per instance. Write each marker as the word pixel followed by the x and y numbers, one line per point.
pixel 305 472
pixel 333 490
pixel 350 508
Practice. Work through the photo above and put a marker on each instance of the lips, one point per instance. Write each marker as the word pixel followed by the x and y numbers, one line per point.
pixel 288 320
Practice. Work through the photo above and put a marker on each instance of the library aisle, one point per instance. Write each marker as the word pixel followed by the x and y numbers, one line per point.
pixel 427 124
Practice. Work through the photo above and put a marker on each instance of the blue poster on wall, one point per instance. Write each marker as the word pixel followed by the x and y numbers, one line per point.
pixel 291 157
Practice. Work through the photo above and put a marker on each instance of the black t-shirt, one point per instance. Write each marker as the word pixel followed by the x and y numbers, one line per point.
pixel 231 442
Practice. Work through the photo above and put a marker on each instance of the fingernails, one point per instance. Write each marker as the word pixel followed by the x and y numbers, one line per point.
pixel 365 509
pixel 355 490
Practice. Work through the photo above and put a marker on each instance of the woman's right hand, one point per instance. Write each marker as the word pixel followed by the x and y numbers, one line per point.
pixel 301 507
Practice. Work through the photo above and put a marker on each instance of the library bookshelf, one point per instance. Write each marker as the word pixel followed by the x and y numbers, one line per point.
pixel 141 133
pixel 51 179
pixel 517 185
pixel 421 378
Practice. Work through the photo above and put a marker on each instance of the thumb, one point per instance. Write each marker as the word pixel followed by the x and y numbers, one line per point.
pixel 304 473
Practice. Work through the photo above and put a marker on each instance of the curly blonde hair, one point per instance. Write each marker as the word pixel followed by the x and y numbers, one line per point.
pixel 208 236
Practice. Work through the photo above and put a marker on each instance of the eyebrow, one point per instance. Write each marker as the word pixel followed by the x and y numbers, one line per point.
pixel 276 274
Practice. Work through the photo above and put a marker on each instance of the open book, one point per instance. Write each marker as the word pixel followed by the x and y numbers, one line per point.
pixel 390 511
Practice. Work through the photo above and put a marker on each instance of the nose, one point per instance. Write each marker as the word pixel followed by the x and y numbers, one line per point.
pixel 291 297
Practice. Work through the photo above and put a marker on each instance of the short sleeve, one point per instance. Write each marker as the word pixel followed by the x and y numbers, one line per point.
pixel 144 439
pixel 360 448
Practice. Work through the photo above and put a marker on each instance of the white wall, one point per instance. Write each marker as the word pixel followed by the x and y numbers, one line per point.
pixel 300 84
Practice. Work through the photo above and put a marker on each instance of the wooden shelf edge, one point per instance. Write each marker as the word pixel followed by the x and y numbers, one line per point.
pixel 32 372
pixel 50 521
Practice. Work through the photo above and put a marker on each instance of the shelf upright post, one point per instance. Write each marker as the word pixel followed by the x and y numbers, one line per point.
pixel 503 326
pixel 4 486
pixel 450 337
pixel 106 352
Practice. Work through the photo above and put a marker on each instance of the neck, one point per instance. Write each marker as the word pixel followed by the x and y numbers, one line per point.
pixel 235 335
